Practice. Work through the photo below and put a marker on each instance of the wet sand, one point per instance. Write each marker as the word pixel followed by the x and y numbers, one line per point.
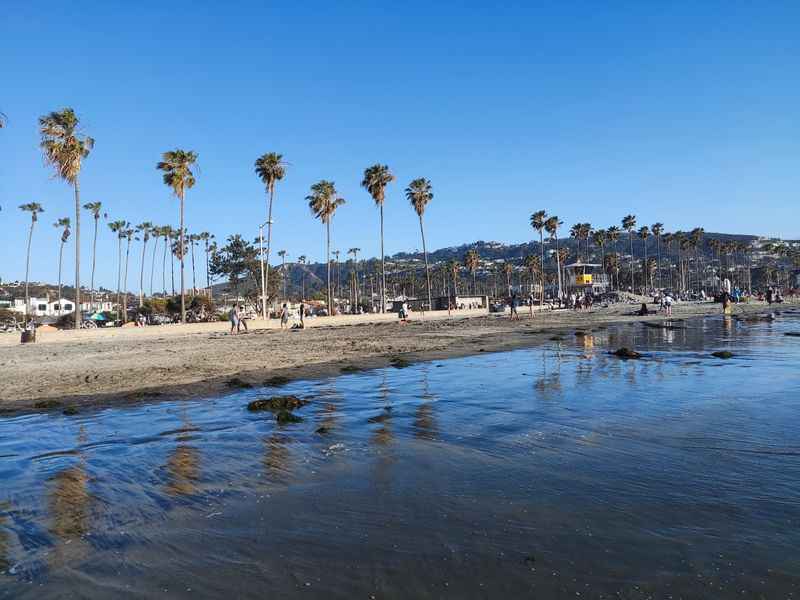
pixel 109 367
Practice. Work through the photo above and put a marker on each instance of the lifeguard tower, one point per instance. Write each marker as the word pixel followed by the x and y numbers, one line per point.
pixel 586 278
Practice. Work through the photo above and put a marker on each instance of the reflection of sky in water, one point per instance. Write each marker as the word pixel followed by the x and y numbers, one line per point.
pixel 608 471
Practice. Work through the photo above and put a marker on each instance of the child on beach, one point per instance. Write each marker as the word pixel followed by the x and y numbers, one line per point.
pixel 284 316
pixel 234 319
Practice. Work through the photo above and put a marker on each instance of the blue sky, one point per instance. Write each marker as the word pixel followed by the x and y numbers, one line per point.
pixel 683 112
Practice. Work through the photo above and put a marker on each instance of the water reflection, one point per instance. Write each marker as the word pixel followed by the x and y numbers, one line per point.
pixel 5 536
pixel 425 427
pixel 69 506
pixel 183 463
pixel 277 458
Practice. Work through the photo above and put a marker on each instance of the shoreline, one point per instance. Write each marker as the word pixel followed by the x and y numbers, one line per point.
pixel 155 363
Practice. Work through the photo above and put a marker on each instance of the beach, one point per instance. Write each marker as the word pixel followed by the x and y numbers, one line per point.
pixel 123 365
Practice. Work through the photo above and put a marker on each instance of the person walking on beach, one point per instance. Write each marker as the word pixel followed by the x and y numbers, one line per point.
pixel 514 302
pixel 284 316
pixel 302 315
pixel 242 321
pixel 233 317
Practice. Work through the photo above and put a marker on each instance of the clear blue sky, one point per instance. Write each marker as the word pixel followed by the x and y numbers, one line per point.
pixel 681 112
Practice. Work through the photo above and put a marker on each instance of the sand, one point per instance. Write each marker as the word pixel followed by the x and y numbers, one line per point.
pixel 113 366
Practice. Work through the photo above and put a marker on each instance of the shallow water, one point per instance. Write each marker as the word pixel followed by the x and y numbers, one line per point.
pixel 557 471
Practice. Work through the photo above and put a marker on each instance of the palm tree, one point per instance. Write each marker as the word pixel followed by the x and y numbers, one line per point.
pixel 177 167
pixel 270 168
pixel 337 280
pixel 173 238
pixel 696 237
pixel 455 269
pixel 376 178
pixel 64 148
pixel 145 229
pixel 167 233
pixel 192 239
pixel 323 203
pixel 354 252
pixel 34 208
pixel 551 226
pixel 658 231
pixel 282 255
pixel 206 238
pixel 599 239
pixel 644 233
pixel 301 260
pixel 534 265
pixel 156 233
pixel 612 234
pixel 419 192
pixel 538 220
pixel 94 208
pixel 628 224
pixel 472 261
pixel 119 228
pixel 65 223
pixel 508 269
pixel 129 234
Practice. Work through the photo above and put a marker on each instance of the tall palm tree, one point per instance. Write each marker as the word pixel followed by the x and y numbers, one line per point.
pixel 538 220
pixel 192 239
pixel 612 234
pixel 419 192
pixel 34 208
pixel 177 167
pixel 644 233
pixel 129 234
pixel 599 239
pixel 301 260
pixel 323 202
pixel 270 168
pixel 144 229
pixel 156 235
pixel 551 225
pixel 354 252
pixel 376 178
pixel 575 232
pixel 337 280
pixel 166 232
pixel 282 256
pixel 64 148
pixel 455 269
pixel 472 261
pixel 94 209
pixel 206 238
pixel 119 228
pixel 658 231
pixel 534 265
pixel 65 223
pixel 629 224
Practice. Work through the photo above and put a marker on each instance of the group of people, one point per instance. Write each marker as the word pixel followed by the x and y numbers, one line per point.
pixel 238 320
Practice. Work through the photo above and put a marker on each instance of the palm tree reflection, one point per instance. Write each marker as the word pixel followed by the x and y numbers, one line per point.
pixel 5 536
pixel 183 464
pixel 69 507
pixel 425 427
pixel 277 457
pixel 383 436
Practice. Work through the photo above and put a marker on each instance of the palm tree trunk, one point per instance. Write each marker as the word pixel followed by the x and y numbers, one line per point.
pixel 208 280
pixel 427 267
pixel 269 243
pixel 141 273
pixel 28 268
pixel 283 275
pixel 630 238
pixel 541 248
pixel 125 283
pixel 383 269
pixel 558 267
pixel 658 260
pixel 172 269
pixel 646 273
pixel 94 257
pixel 164 266
pixel 194 273
pixel 328 261
pixel 183 280
pixel 153 263
pixel 60 260
pixel 119 275
pixel 77 254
